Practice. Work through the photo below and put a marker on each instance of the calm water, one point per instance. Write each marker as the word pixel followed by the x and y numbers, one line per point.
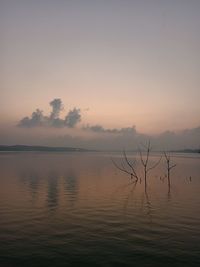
pixel 77 209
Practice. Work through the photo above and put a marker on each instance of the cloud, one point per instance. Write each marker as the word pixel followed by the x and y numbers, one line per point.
pixel 73 117
pixel 37 118
pixel 101 137
pixel 100 129
pixel 56 108
pixel 188 138
pixel 131 140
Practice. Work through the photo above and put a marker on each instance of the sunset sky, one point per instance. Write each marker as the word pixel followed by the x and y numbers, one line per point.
pixel 122 63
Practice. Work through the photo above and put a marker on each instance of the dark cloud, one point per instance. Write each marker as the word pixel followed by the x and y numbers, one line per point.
pixel 73 117
pixel 101 129
pixel 37 118
pixel 56 108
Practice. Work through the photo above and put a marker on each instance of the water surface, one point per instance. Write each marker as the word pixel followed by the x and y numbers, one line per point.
pixel 77 209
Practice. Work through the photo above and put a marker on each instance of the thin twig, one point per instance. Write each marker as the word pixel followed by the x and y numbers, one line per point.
pixel 155 165
pixel 130 165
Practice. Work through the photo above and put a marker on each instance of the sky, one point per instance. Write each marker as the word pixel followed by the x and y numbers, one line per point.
pixel 118 71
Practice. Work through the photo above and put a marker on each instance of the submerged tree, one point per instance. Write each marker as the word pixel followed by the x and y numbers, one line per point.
pixel 169 167
pixel 129 168
pixel 145 162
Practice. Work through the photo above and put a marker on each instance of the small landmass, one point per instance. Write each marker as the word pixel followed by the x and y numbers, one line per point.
pixel 16 148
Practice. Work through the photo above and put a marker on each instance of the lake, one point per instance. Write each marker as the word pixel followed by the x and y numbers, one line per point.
pixel 78 209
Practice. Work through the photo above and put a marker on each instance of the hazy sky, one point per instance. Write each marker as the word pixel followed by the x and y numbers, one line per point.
pixel 122 63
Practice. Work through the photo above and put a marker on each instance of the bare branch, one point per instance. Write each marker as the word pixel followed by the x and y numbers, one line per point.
pixel 155 165
pixel 130 165
pixel 168 159
pixel 141 158
pixel 147 156
pixel 121 169
pixel 146 147
pixel 122 164
pixel 165 155
pixel 172 166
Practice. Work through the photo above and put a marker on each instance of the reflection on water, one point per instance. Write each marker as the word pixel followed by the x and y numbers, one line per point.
pixel 71 186
pixel 75 209
pixel 31 178
pixel 54 182
pixel 52 188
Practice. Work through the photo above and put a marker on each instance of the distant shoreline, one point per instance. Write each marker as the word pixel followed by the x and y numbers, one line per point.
pixel 26 148
pixel 186 151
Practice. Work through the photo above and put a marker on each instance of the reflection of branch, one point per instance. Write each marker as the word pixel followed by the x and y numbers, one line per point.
pixel 123 187
pixel 127 199
pixel 169 193
pixel 148 205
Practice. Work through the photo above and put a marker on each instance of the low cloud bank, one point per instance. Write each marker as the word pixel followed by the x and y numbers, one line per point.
pixel 100 129
pixel 101 138
pixel 189 138
pixel 185 139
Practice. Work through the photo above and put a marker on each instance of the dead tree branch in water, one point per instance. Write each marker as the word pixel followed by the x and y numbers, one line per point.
pixel 128 167
pixel 169 167
pixel 145 162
